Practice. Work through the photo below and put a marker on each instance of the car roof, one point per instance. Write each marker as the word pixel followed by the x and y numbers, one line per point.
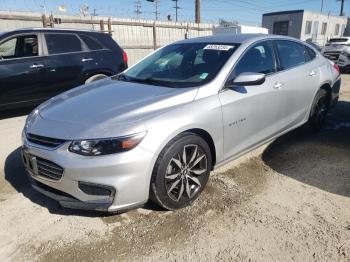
pixel 52 30
pixel 234 38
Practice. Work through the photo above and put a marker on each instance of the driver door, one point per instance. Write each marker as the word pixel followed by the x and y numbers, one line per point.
pixel 21 70
pixel 252 114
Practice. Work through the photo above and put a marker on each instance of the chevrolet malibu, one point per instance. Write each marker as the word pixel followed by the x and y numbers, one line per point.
pixel 157 130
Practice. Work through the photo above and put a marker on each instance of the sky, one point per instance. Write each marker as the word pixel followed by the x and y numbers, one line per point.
pixel 243 11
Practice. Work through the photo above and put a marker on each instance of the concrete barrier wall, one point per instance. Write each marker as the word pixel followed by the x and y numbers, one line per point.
pixel 135 36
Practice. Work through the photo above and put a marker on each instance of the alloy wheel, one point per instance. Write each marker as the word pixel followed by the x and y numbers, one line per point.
pixel 183 178
pixel 321 110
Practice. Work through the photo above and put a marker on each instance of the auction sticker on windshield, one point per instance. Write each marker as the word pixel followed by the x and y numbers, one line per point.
pixel 218 47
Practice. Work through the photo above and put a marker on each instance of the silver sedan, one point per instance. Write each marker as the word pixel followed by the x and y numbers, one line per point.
pixel 157 130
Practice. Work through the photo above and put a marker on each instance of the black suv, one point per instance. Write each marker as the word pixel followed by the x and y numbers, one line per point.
pixel 36 64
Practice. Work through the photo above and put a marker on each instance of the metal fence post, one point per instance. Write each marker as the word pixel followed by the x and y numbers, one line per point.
pixel 102 26
pixel 110 32
pixel 43 18
pixel 154 36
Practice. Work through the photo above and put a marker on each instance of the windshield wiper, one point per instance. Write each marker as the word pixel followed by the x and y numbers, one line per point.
pixel 150 81
pixel 121 77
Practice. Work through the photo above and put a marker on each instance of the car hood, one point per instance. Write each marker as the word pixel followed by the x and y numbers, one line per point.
pixel 106 108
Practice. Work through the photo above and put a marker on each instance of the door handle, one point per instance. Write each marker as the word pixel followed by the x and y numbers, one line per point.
pixel 36 66
pixel 87 59
pixel 312 73
pixel 278 85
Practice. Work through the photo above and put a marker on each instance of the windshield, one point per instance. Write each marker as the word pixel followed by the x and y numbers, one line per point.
pixel 181 65
pixel 338 40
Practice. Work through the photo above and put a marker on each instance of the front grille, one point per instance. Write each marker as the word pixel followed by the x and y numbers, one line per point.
pixel 48 169
pixel 45 141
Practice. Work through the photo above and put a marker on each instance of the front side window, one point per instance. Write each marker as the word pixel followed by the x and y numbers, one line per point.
pixel 308 26
pixel 182 65
pixel 309 53
pixel 291 54
pixel 18 47
pixel 62 43
pixel 258 59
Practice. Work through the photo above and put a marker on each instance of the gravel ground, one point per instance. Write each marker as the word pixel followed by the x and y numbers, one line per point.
pixel 289 201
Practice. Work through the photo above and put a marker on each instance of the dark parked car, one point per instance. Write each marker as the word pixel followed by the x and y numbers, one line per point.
pixel 36 64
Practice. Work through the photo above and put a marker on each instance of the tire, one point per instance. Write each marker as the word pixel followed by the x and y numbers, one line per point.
pixel 175 185
pixel 319 110
pixel 95 78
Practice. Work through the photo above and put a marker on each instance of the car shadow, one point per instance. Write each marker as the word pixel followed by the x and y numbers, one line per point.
pixel 15 112
pixel 16 175
pixel 321 160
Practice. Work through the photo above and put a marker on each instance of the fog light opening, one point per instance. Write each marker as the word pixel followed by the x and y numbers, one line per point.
pixel 97 190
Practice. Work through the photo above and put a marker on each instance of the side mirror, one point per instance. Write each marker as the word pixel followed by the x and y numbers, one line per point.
pixel 247 79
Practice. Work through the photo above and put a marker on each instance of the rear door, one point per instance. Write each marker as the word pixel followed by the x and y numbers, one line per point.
pixel 300 73
pixel 252 114
pixel 21 70
pixel 65 61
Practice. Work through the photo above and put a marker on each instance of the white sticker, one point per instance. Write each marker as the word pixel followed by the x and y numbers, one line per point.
pixel 218 47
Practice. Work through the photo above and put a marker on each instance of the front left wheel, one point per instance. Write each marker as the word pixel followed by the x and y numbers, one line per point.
pixel 181 172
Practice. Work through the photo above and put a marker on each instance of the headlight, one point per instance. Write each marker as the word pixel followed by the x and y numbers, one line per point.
pixel 98 147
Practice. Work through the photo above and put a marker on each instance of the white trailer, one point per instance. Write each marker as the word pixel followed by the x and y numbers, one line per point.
pixel 239 29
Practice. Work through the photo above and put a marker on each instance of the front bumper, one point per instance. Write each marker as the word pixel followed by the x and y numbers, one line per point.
pixel 126 174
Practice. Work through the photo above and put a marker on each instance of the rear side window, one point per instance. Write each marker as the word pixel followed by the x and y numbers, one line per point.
pixel 309 53
pixel 258 59
pixel 91 42
pixel 62 43
pixel 291 54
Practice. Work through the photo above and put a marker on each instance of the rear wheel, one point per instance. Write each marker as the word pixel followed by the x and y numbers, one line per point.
pixel 181 172
pixel 319 110
pixel 95 78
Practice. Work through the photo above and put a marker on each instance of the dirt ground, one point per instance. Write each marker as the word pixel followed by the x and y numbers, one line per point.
pixel 291 203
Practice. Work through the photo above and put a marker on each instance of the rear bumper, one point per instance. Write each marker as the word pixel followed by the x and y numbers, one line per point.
pixel 335 92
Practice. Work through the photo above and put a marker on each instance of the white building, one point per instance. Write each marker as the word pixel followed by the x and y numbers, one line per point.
pixel 305 25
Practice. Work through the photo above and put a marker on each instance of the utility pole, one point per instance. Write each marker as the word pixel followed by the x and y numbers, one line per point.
pixel 176 9
pixel 156 3
pixel 198 11
pixel 342 7
pixel 43 6
pixel 138 8
pixel 321 6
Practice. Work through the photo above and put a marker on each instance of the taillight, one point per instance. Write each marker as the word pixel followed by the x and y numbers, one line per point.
pixel 336 67
pixel 125 57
